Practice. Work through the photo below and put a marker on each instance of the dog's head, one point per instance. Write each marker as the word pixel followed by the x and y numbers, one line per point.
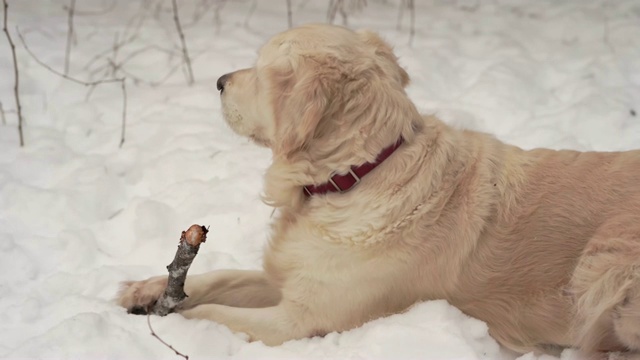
pixel 309 84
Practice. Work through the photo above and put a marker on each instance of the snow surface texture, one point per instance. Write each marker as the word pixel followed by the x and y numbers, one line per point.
pixel 78 215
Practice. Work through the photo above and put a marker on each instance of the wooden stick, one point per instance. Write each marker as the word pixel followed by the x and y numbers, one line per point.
pixel 187 250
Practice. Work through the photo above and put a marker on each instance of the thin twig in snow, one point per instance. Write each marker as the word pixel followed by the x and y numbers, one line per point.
pixel 216 15
pixel 254 4
pixel 332 10
pixel 412 31
pixel 104 53
pixel 123 86
pixel 153 333
pixel 4 118
pixel 400 14
pixel 345 8
pixel 91 84
pixel 289 14
pixel 16 84
pixel 343 13
pixel 112 61
pixel 107 9
pixel 70 35
pixel 46 66
pixel 185 52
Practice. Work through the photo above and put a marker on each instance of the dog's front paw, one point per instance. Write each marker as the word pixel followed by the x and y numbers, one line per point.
pixel 138 296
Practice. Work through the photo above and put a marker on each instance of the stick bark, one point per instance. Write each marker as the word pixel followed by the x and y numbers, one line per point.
pixel 188 247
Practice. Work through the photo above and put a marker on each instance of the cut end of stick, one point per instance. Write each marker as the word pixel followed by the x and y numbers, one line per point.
pixel 195 235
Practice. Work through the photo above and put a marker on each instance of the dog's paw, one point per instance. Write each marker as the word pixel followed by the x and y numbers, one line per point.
pixel 138 296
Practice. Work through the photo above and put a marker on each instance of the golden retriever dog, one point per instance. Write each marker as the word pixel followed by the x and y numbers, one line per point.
pixel 380 207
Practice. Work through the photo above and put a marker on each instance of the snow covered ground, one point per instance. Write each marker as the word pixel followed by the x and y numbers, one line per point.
pixel 78 214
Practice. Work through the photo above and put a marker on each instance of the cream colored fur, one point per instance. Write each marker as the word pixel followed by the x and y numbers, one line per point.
pixel 542 245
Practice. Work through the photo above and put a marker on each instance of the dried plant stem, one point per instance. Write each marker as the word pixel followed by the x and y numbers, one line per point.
pixel 70 35
pixel 400 15
pixel 2 115
pixel 252 9
pixel 333 10
pixel 153 333
pixel 412 31
pixel 289 14
pixel 185 52
pixel 123 86
pixel 16 84
pixel 91 84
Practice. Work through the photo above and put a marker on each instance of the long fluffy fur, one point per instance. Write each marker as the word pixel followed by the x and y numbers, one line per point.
pixel 542 245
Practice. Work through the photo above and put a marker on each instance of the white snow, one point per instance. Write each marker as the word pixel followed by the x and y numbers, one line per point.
pixel 78 215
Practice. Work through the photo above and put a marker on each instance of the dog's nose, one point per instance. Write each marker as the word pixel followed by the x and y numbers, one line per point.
pixel 222 81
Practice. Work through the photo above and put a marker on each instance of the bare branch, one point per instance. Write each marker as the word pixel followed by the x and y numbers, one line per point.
pixel 185 52
pixel 345 8
pixel 67 52
pixel 123 85
pixel 332 10
pixel 107 9
pixel 16 84
pixel 216 15
pixel 153 333
pixel 401 7
pixel 412 10
pixel 106 52
pixel 252 9
pixel 4 118
pixel 91 84
pixel 343 13
pixel 289 14
pixel 46 66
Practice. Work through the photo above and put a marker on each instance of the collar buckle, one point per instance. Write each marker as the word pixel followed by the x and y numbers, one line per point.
pixel 356 180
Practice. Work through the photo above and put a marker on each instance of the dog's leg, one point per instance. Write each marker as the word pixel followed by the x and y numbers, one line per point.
pixel 271 325
pixel 238 288
pixel 606 285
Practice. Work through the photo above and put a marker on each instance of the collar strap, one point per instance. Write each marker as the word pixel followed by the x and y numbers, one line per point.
pixel 342 183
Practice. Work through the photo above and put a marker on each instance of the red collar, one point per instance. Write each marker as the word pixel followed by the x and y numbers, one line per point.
pixel 343 183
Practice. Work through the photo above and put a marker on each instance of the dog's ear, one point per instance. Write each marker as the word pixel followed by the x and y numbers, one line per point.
pixel 385 51
pixel 300 106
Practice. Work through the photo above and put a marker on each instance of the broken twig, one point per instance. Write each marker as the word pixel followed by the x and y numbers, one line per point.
pixel 91 84
pixel 185 52
pixel 16 84
pixel 289 14
pixel 4 118
pixel 70 36
pixel 187 250
pixel 153 333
